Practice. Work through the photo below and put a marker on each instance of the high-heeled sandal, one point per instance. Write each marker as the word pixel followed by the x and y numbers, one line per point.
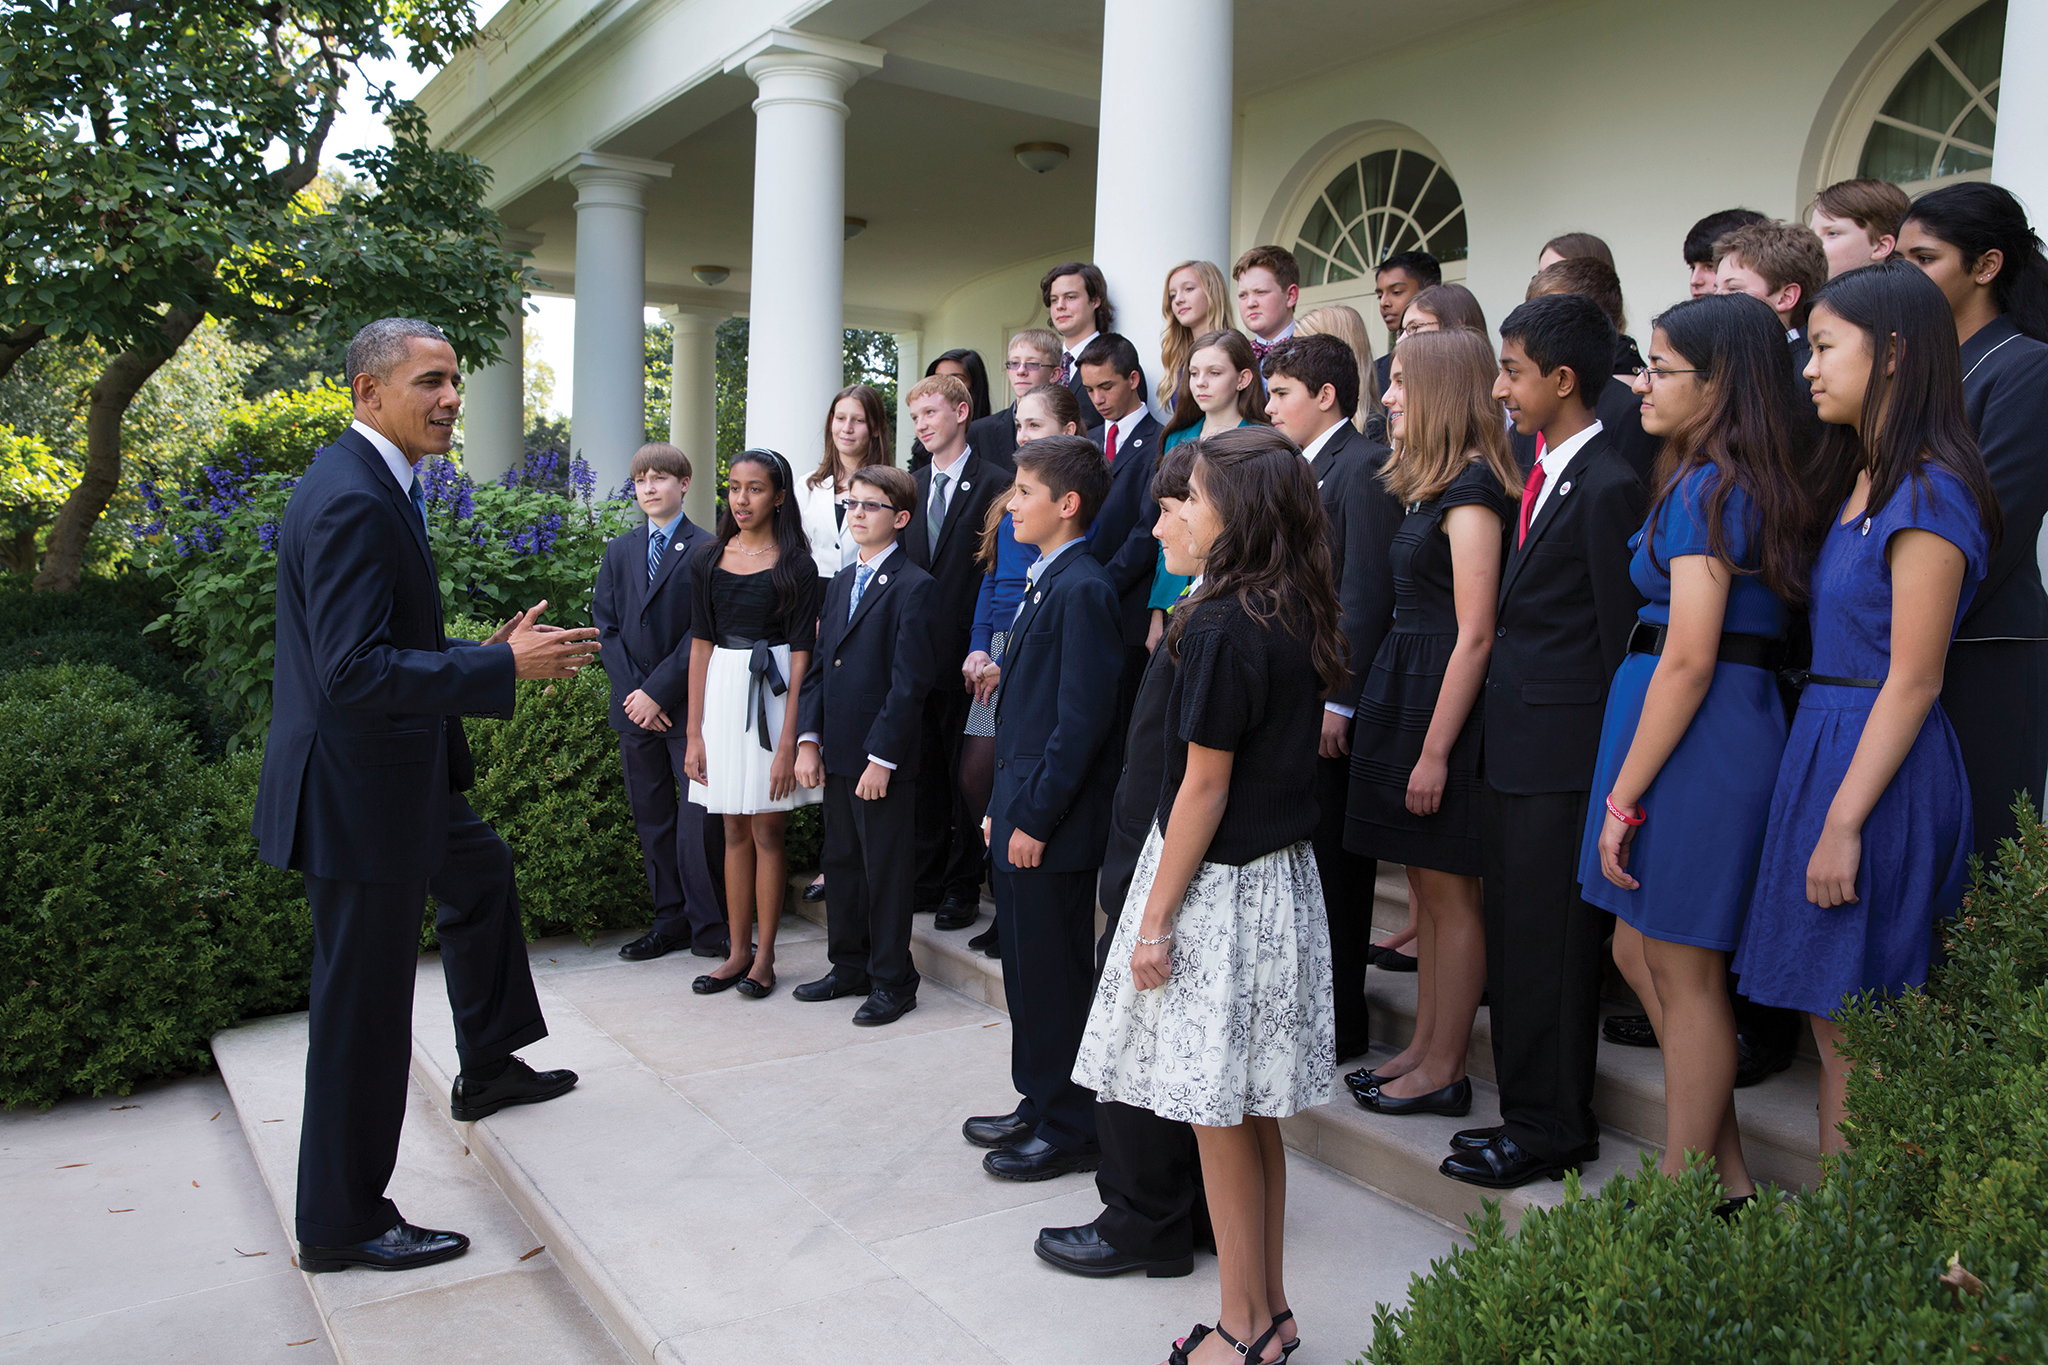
pixel 1281 1318
pixel 1256 1352
pixel 1179 1354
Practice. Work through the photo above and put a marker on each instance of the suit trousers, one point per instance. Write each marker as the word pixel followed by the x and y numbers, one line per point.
pixel 951 859
pixel 1544 956
pixel 1046 926
pixel 1996 695
pixel 366 951
pixel 1348 898
pixel 869 882
pixel 682 848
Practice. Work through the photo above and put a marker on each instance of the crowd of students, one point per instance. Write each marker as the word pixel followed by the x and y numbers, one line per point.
pixel 1721 649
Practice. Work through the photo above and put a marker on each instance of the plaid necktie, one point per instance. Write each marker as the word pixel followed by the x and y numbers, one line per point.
pixel 656 544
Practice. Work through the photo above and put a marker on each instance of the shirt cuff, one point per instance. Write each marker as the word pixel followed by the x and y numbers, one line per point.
pixel 883 761
pixel 808 738
pixel 1339 708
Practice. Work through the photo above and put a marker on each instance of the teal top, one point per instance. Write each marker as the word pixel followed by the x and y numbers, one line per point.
pixel 1167 587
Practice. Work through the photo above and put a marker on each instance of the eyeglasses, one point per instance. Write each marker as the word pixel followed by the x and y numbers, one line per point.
pixel 869 506
pixel 1417 328
pixel 1653 373
pixel 1025 366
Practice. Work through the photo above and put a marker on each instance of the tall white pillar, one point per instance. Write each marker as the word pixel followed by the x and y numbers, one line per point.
pixel 909 369
pixel 796 307
pixel 494 397
pixel 608 399
pixel 2019 159
pixel 1166 107
pixel 693 404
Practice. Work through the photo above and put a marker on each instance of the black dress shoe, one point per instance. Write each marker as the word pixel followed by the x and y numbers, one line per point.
pixel 1472 1139
pixel 1352 1047
pixel 830 986
pixel 1389 959
pixel 986 941
pixel 1036 1159
pixel 651 945
pixel 954 914
pixel 1502 1164
pixel 1452 1101
pixel 996 1130
pixel 1755 1062
pixel 885 1007
pixel 519 1083
pixel 1082 1251
pixel 814 893
pixel 401 1247
pixel 1629 1030
pixel 717 947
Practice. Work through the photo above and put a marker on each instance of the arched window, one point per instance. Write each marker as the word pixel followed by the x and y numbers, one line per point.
pixel 1387 201
pixel 1925 109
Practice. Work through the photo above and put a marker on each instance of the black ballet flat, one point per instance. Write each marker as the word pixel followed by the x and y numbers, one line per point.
pixel 708 984
pixel 755 990
pixel 1452 1101
pixel 1728 1208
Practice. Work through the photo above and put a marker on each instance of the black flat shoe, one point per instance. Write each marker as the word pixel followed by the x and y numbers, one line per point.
pixel 814 893
pixel 884 1007
pixel 651 945
pixel 1728 1208
pixel 401 1247
pixel 953 914
pixel 755 990
pixel 1389 959
pixel 996 1130
pixel 1036 1159
pixel 709 984
pixel 1082 1251
pixel 1502 1164
pixel 519 1083
pixel 830 986
pixel 1755 1063
pixel 1629 1030
pixel 715 948
pixel 1453 1101
pixel 1472 1139
pixel 985 941
pixel 1362 1079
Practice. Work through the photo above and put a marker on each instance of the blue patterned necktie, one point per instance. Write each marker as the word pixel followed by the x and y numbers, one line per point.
pixel 656 543
pixel 419 499
pixel 861 576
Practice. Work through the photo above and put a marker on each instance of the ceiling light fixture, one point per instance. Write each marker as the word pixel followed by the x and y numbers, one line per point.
pixel 854 228
pixel 1040 156
pixel 710 276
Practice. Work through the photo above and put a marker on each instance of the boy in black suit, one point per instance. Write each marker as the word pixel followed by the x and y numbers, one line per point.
pixel 1396 282
pixel 642 609
pixel 858 732
pixel 1077 305
pixel 1049 813
pixel 1566 609
pixel 1121 538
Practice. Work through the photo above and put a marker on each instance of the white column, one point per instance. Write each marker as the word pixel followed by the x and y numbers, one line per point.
pixel 1166 107
pixel 796 305
pixel 909 369
pixel 608 399
pixel 494 397
pixel 2019 158
pixel 693 404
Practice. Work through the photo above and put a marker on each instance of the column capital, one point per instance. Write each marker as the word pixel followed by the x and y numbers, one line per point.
pixel 617 181
pixel 682 315
pixel 785 51
pixel 520 243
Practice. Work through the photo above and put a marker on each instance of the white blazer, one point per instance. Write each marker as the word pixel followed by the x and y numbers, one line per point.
pixel 832 550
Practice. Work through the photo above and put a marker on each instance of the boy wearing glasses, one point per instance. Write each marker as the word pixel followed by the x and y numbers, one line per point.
pixel 1034 359
pixel 858 737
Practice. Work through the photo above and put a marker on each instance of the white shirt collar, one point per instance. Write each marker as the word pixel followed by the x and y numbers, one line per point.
pixel 863 557
pixel 1791 334
pixel 951 470
pixel 1285 332
pixel 1038 567
pixel 1554 461
pixel 394 459
pixel 1080 346
pixel 1315 447
pixel 1125 425
pixel 667 528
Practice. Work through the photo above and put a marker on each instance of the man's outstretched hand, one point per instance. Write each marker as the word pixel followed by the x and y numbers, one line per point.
pixel 540 651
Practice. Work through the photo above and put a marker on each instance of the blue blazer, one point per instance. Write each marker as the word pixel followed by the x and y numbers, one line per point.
pixel 864 694
pixel 1121 538
pixel 645 627
pixel 366 739
pixel 1055 716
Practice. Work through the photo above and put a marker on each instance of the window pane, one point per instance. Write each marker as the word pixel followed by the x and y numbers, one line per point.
pixel 1321 230
pixel 1378 206
pixel 1447 243
pixel 1976 42
pixel 1896 155
pixel 1928 97
pixel 1956 160
pixel 1976 128
pixel 1377 173
pixel 1415 169
pixel 1343 195
pixel 1438 203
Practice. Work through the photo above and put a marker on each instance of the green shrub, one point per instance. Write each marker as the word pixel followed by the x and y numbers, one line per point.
pixel 123 605
pixel 804 839
pixel 281 430
pixel 130 654
pixel 1949 1120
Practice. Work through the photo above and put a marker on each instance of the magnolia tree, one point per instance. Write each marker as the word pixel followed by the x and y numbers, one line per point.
pixel 154 167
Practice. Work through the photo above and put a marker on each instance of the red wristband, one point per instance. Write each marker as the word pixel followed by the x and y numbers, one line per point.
pixel 1618 813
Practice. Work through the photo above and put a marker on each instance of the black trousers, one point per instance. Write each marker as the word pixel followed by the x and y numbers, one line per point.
pixel 951 860
pixel 869 882
pixel 366 948
pixel 1543 967
pixel 1046 926
pixel 1347 898
pixel 683 849
pixel 1996 695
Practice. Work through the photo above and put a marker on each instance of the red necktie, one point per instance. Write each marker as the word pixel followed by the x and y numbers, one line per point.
pixel 1259 349
pixel 1530 490
pixel 1109 445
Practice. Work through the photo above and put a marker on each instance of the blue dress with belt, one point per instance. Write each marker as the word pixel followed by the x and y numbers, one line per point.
pixel 1917 841
pixel 1695 859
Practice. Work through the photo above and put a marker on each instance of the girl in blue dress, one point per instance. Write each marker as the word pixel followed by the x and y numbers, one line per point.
pixel 1694 729
pixel 1870 828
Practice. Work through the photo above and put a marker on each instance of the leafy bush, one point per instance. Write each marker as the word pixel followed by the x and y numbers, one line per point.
pixel 1924 1243
pixel 280 431
pixel 33 485
pixel 123 604
pixel 126 652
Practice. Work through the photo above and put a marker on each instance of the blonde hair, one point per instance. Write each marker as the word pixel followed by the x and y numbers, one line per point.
pixel 949 387
pixel 1341 320
pixel 1449 414
pixel 1177 343
pixel 1043 340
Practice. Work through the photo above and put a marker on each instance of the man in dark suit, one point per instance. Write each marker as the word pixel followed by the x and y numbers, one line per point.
pixel 360 792
pixel 1077 304
pixel 1566 609
pixel 858 731
pixel 642 609
pixel 1311 393
pixel 1049 812
pixel 953 496
pixel 1121 538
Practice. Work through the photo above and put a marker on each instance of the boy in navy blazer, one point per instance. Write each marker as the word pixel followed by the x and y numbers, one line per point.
pixel 1049 814
pixel 642 609
pixel 858 733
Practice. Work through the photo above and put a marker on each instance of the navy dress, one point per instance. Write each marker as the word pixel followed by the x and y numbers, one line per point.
pixel 1917 841
pixel 1696 856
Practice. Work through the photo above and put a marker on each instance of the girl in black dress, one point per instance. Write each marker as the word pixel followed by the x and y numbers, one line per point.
pixel 1415 752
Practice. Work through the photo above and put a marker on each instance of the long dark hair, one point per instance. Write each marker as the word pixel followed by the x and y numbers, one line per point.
pixel 1251 400
pixel 1914 416
pixel 1747 431
pixel 1273 551
pixel 827 472
pixel 1976 218
pixel 977 379
pixel 792 546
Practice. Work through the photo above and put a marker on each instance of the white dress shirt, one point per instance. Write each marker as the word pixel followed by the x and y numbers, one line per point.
pixel 1554 461
pixel 394 459
pixel 1315 447
pixel 944 498
pixel 1123 427
pixel 1074 351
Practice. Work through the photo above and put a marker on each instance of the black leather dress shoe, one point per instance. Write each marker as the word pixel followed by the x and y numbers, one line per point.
pixel 402 1247
pixel 1390 959
pixel 1082 1251
pixel 814 893
pixel 1755 1062
pixel 1502 1164
pixel 996 1130
pixel 470 1100
pixel 1036 1159
pixel 986 941
pixel 1452 1101
pixel 1352 1047
pixel 885 1007
pixel 1629 1030
pixel 955 914
pixel 830 986
pixel 1472 1139
pixel 651 945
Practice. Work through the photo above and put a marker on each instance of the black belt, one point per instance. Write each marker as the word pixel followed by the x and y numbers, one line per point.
pixel 1799 677
pixel 764 675
pixel 1757 651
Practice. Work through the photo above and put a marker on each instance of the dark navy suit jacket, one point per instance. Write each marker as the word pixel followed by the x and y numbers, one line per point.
pixel 865 692
pixel 1054 776
pixel 645 627
pixel 956 576
pixel 1121 539
pixel 366 739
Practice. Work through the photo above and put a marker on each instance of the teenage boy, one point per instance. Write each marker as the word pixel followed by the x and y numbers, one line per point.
pixel 1396 282
pixel 953 495
pixel 1782 264
pixel 1077 304
pixel 642 609
pixel 1121 538
pixel 1857 222
pixel 1049 813
pixel 1700 240
pixel 858 731
pixel 1566 609
pixel 1153 1214
pixel 1033 358
pixel 1619 409
pixel 1311 393
pixel 1268 286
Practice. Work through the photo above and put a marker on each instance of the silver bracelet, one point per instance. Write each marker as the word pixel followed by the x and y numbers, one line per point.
pixel 1155 942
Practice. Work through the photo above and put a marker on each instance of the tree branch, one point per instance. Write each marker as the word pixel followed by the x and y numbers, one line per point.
pixel 15 346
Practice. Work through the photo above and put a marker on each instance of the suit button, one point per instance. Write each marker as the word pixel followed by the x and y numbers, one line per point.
pixel 1501 633
pixel 837 662
pixel 999 763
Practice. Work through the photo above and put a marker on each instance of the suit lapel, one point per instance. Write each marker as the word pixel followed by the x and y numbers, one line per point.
pixel 885 574
pixel 1549 512
pixel 401 498
pixel 1326 458
pixel 956 499
pixel 679 547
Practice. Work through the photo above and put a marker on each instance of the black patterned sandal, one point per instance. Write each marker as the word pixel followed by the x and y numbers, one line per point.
pixel 1179 1354
pixel 1281 1318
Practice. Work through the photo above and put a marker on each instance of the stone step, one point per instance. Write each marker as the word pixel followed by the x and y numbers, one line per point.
pixel 505 1301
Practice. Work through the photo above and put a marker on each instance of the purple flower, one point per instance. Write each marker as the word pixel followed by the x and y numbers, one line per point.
pixel 582 478
pixel 266 535
pixel 449 488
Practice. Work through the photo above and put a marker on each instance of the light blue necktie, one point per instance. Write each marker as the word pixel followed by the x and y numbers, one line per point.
pixel 861 576
pixel 419 499
pixel 656 543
